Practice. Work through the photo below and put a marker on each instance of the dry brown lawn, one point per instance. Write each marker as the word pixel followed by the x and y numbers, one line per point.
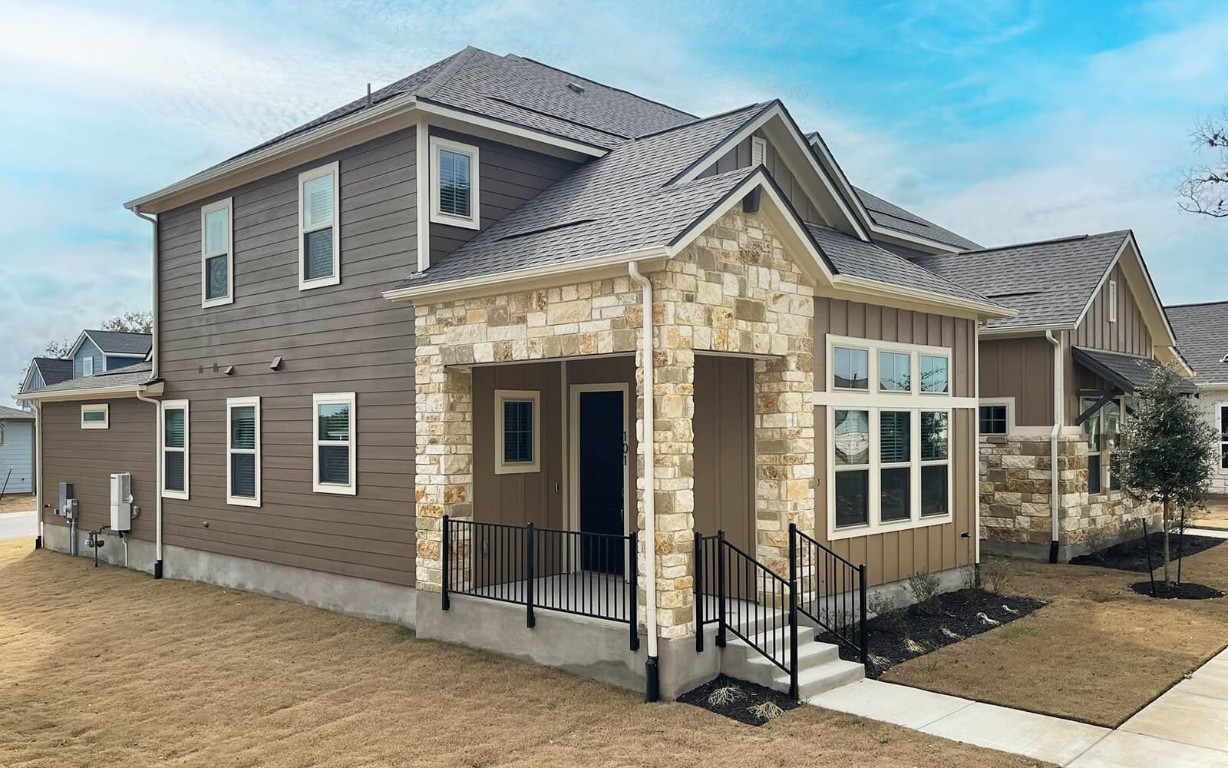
pixel 109 667
pixel 24 502
pixel 1098 653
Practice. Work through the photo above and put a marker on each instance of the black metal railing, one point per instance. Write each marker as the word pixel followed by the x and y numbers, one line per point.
pixel 831 591
pixel 748 599
pixel 576 572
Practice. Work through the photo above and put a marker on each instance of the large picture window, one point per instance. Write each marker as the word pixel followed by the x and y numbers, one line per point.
pixel 243 451
pixel 217 253
pixel 319 233
pixel 334 460
pixel 175 449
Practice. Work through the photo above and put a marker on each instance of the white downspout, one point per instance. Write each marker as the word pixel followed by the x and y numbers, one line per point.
pixel 648 448
pixel 1058 398
pixel 40 542
pixel 153 374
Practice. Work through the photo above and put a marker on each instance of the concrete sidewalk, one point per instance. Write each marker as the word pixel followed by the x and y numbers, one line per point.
pixel 1187 726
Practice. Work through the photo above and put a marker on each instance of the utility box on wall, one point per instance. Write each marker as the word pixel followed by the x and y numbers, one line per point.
pixel 121 502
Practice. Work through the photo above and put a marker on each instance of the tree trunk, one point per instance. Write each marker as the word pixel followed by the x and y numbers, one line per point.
pixel 1168 505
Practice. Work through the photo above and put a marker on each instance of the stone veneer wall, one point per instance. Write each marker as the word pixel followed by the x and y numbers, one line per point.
pixel 734 290
pixel 1015 499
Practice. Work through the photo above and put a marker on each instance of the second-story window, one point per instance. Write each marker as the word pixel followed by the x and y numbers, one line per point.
pixel 216 253
pixel 319 233
pixel 454 184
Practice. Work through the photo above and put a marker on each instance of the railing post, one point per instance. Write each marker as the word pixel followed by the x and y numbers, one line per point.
pixel 862 631
pixel 447 563
pixel 633 590
pixel 530 619
pixel 720 589
pixel 793 665
pixel 699 592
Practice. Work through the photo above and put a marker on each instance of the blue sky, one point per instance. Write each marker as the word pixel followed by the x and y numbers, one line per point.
pixel 1005 121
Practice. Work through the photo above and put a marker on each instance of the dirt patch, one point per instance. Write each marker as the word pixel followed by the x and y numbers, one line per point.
pixel 1133 555
pixel 109 667
pixel 1215 515
pixel 24 502
pixel 1098 652
pixel 946 619
pixel 1175 591
pixel 739 700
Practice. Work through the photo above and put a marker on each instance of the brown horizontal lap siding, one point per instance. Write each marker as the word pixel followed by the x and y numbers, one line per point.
pixel 507 177
pixel 87 458
pixel 1022 369
pixel 899 554
pixel 342 338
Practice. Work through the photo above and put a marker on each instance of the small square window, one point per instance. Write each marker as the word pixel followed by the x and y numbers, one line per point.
pixel 95 417
pixel 934 374
pixel 517 431
pixel 455 198
pixel 850 368
pixel 992 419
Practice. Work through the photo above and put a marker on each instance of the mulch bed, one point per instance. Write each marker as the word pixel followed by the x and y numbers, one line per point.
pixel 1132 555
pixel 919 629
pixel 1184 591
pixel 748 696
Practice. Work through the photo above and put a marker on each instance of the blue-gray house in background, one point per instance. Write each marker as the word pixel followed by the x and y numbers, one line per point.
pixel 44 372
pixel 99 351
pixel 16 451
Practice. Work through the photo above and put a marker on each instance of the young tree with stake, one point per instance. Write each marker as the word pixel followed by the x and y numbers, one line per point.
pixel 1168 451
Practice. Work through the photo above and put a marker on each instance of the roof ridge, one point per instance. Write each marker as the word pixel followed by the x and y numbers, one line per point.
pixel 702 120
pixel 104 330
pixel 1197 304
pixel 448 70
pixel 560 118
pixel 518 57
pixel 1051 241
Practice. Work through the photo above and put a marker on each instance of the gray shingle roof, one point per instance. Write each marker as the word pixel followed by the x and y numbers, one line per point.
pixel 891 216
pixel 129 376
pixel 1129 372
pixel 1202 337
pixel 856 257
pixel 1048 283
pixel 53 369
pixel 14 414
pixel 617 203
pixel 121 343
pixel 519 91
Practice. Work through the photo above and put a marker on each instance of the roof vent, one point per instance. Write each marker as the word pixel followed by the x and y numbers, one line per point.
pixel 576 87
pixel 1224 359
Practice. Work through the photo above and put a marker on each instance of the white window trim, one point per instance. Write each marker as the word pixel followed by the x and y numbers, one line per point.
pixel 758 147
pixel 87 359
pixel 1112 301
pixel 338 398
pixel 335 278
pixel 474 220
pixel 1221 409
pixel 231 404
pixel 875 524
pixel 1009 402
pixel 175 405
pixel 205 302
pixel 98 407
pixel 502 396
pixel 913 398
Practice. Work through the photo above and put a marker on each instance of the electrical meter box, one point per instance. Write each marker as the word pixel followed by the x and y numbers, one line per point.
pixel 121 502
pixel 67 506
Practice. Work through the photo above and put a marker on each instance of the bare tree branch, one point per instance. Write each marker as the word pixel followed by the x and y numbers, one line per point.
pixel 1204 189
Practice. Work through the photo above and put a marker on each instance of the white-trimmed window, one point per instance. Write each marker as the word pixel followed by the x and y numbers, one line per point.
pixel 1223 436
pixel 1093 433
pixel 95 416
pixel 935 373
pixel 1112 301
pixel 243 451
pixel 517 431
pixel 175 449
pixel 1 434
pixel 217 254
pixel 333 459
pixel 87 365
pixel 455 187
pixel 994 417
pixel 935 463
pixel 319 233
pixel 850 367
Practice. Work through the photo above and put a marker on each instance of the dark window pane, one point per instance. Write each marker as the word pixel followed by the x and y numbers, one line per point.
pixel 318 254
pixel 95 416
pixel 851 368
pixel 852 497
pixel 933 491
pixel 243 427
pixel 934 376
pixel 518 431
pixel 243 475
pixel 174 428
pixel 933 436
pixel 454 183
pixel 1224 456
pixel 894 371
pixel 174 471
pixel 335 464
pixel 895 503
pixel 334 422
pixel 993 419
pixel 1223 423
pixel 1114 480
pixel 216 282
pixel 895 436
pixel 1093 474
pixel 852 437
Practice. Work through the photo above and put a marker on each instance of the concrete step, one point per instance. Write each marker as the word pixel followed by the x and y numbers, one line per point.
pixel 819 679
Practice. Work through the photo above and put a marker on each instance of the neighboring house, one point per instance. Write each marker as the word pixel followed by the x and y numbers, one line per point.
pixel 16 451
pixel 1057 382
pixel 44 371
pixel 99 351
pixel 1202 335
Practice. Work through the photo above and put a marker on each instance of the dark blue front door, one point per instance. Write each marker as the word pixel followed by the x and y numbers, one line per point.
pixel 602 448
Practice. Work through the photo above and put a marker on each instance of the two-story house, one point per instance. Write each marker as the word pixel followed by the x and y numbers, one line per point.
pixel 96 352
pixel 539 365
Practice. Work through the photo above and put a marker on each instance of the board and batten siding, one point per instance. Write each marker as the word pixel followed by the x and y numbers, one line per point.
pixel 341 338
pixel 740 157
pixel 1023 369
pixel 896 555
pixel 507 177
pixel 88 457
pixel 17 457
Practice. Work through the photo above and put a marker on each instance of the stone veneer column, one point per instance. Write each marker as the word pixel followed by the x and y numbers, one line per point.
pixel 444 482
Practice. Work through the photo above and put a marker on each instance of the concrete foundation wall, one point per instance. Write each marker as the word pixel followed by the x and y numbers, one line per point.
pixel 140 554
